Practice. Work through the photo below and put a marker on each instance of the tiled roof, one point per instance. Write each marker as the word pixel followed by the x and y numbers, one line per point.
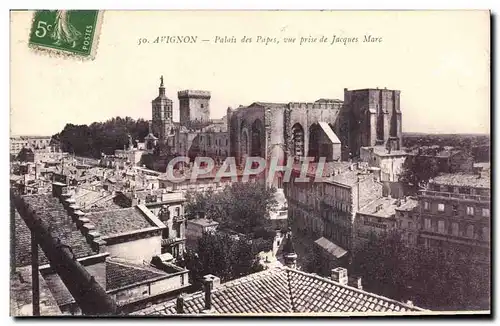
pixel 348 177
pixel 382 207
pixel 85 198
pixel 119 221
pixel 120 274
pixel 161 195
pixel 22 236
pixel 463 179
pixel 104 204
pixel 21 297
pixel 408 204
pixel 58 289
pixel 283 290
pixel 331 247
pixel 60 224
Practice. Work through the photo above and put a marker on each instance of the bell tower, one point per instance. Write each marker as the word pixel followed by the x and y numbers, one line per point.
pixel 162 124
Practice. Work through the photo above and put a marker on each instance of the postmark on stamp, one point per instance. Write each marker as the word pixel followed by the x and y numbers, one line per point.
pixel 66 32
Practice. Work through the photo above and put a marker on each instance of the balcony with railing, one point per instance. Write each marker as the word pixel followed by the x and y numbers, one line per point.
pixel 453 195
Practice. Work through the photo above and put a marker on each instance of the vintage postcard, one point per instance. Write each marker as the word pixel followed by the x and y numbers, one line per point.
pixel 250 163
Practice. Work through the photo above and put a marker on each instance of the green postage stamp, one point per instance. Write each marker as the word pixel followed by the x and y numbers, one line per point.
pixel 67 32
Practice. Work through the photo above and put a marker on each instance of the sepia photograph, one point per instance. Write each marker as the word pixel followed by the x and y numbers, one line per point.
pixel 250 163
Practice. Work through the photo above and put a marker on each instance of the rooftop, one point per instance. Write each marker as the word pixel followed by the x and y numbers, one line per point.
pixel 162 195
pixel 187 172
pixel 86 198
pixel 329 168
pixel 271 105
pixel 58 289
pixel 119 221
pixel 382 151
pixel 381 207
pixel 203 222
pixel 122 274
pixel 329 100
pixel 22 239
pixel 52 212
pixel 193 92
pixel 283 290
pixel 463 180
pixel 21 298
pixel 331 247
pixel 329 132
pixel 118 275
pixel 407 204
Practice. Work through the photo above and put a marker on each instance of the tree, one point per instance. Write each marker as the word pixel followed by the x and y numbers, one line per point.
pixel 249 205
pixel 206 204
pixel 25 155
pixel 434 279
pixel 243 207
pixel 417 170
pixel 221 255
pixel 100 137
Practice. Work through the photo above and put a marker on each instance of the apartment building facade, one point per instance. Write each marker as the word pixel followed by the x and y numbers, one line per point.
pixel 455 213
pixel 328 208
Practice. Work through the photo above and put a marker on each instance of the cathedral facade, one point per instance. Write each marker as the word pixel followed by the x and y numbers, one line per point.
pixel 329 128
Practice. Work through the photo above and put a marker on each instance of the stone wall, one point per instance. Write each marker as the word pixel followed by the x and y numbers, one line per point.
pixel 136 250
pixel 143 291
pixel 374 116
pixel 308 114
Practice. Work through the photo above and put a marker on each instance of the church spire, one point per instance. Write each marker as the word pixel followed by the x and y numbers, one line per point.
pixel 162 87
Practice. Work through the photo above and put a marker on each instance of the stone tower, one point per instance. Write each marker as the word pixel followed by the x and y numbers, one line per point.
pixel 194 107
pixel 162 125
pixel 372 117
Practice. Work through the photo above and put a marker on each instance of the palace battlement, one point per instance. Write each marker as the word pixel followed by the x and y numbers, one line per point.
pixel 193 93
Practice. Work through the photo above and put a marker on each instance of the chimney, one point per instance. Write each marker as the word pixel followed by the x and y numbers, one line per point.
pixel 209 283
pixel 180 304
pixel 339 275
pixel 58 189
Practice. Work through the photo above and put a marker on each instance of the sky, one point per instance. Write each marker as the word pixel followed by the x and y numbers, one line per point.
pixel 439 60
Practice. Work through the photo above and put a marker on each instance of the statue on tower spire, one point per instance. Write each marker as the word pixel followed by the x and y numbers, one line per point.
pixel 161 89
